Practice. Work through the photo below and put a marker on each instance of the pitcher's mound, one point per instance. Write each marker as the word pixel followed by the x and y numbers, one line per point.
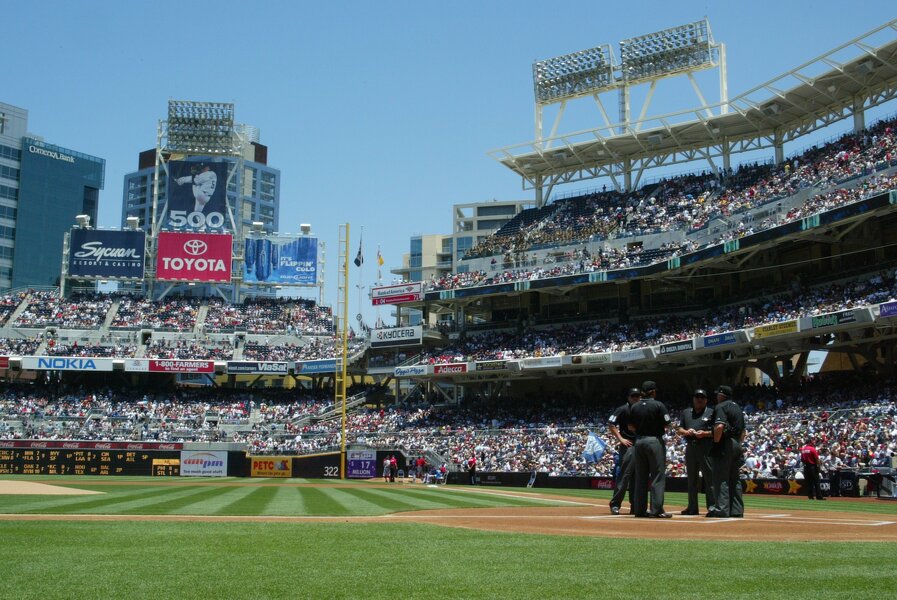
pixel 39 489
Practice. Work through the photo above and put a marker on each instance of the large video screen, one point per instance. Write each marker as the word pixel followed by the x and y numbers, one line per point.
pixel 281 260
pixel 197 196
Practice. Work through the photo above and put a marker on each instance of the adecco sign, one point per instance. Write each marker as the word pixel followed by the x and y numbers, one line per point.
pixel 194 257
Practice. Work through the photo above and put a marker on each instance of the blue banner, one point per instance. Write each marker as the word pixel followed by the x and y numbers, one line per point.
pixel 328 365
pixel 595 448
pixel 106 254
pixel 281 261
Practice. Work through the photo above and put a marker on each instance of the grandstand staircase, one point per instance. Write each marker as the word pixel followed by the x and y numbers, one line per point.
pixel 19 310
pixel 110 316
pixel 201 318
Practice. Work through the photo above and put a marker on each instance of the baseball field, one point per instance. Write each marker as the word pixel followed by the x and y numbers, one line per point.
pixel 117 537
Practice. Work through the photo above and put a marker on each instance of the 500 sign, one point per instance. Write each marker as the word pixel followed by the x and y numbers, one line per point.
pixel 196 220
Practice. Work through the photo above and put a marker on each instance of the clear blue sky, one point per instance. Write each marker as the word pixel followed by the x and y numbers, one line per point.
pixel 378 114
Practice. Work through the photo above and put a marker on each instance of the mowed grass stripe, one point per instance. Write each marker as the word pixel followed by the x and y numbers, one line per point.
pixel 384 501
pixel 252 501
pixel 214 504
pixel 176 500
pixel 319 501
pixel 113 500
pixel 287 501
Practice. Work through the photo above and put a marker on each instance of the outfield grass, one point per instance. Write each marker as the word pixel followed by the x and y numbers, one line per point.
pixel 158 560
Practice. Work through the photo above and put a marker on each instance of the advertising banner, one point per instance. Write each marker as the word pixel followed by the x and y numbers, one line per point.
pixel 674 347
pixel 150 365
pixel 888 309
pixel 361 464
pixel 203 463
pixel 280 467
pixel 842 317
pixel 395 294
pixel 311 367
pixel 397 336
pixel 65 444
pixel 450 369
pixel 591 359
pixel 491 365
pixel 65 363
pixel 412 371
pixel 197 195
pixel 633 355
pixel 4 362
pixel 773 329
pixel 281 260
pixel 547 362
pixel 721 339
pixel 257 368
pixel 194 257
pixel 106 254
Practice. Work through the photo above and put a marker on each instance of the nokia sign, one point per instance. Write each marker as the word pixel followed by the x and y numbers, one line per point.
pixel 65 363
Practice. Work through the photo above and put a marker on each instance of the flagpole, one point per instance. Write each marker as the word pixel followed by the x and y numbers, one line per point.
pixel 359 260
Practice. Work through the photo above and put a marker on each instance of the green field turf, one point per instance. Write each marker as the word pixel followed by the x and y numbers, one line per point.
pixel 159 560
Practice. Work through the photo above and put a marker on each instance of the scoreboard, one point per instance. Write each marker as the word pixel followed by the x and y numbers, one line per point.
pixel 53 461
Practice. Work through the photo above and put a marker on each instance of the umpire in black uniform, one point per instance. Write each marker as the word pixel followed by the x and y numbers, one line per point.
pixel 696 427
pixel 650 419
pixel 728 456
pixel 618 423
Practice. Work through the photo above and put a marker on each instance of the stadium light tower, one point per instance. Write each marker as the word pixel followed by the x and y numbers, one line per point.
pixel 584 73
pixel 682 50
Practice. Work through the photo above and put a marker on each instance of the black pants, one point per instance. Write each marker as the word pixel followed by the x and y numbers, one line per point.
pixel 698 465
pixel 811 480
pixel 624 481
pixel 727 463
pixel 650 472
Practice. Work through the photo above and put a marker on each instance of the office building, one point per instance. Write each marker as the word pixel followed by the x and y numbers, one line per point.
pixel 42 188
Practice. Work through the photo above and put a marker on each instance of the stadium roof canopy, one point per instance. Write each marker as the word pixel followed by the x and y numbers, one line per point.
pixel 845 81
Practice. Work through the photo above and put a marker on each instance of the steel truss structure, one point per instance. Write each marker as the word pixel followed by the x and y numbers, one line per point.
pixel 198 129
pixel 844 82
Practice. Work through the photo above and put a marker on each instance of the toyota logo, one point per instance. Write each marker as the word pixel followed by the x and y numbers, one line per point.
pixel 195 247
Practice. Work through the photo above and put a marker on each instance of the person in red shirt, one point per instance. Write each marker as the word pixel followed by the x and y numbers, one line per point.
pixel 809 457
pixel 472 469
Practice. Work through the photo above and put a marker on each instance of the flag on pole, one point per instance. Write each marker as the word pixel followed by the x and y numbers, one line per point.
pixel 595 448
pixel 359 259
pixel 379 263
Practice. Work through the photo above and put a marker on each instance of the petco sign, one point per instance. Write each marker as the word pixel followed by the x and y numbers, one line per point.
pixel 194 257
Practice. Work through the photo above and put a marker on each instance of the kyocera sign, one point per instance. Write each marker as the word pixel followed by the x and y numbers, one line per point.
pixel 194 257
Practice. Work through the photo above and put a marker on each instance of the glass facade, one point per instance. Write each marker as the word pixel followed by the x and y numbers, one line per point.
pixel 55 185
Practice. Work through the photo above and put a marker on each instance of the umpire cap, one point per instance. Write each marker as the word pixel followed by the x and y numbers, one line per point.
pixel 634 392
pixel 724 390
pixel 700 392
pixel 648 386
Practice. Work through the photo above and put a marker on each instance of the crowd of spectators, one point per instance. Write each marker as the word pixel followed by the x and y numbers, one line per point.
pixel 854 424
pixel 116 350
pixel 689 202
pixel 171 314
pixel 609 336
pixel 293 316
pixel 79 311
pixel 181 349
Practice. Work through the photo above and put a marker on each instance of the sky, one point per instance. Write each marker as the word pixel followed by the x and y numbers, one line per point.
pixel 378 114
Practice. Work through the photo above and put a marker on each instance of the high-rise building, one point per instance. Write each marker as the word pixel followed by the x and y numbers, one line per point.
pixel 42 188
